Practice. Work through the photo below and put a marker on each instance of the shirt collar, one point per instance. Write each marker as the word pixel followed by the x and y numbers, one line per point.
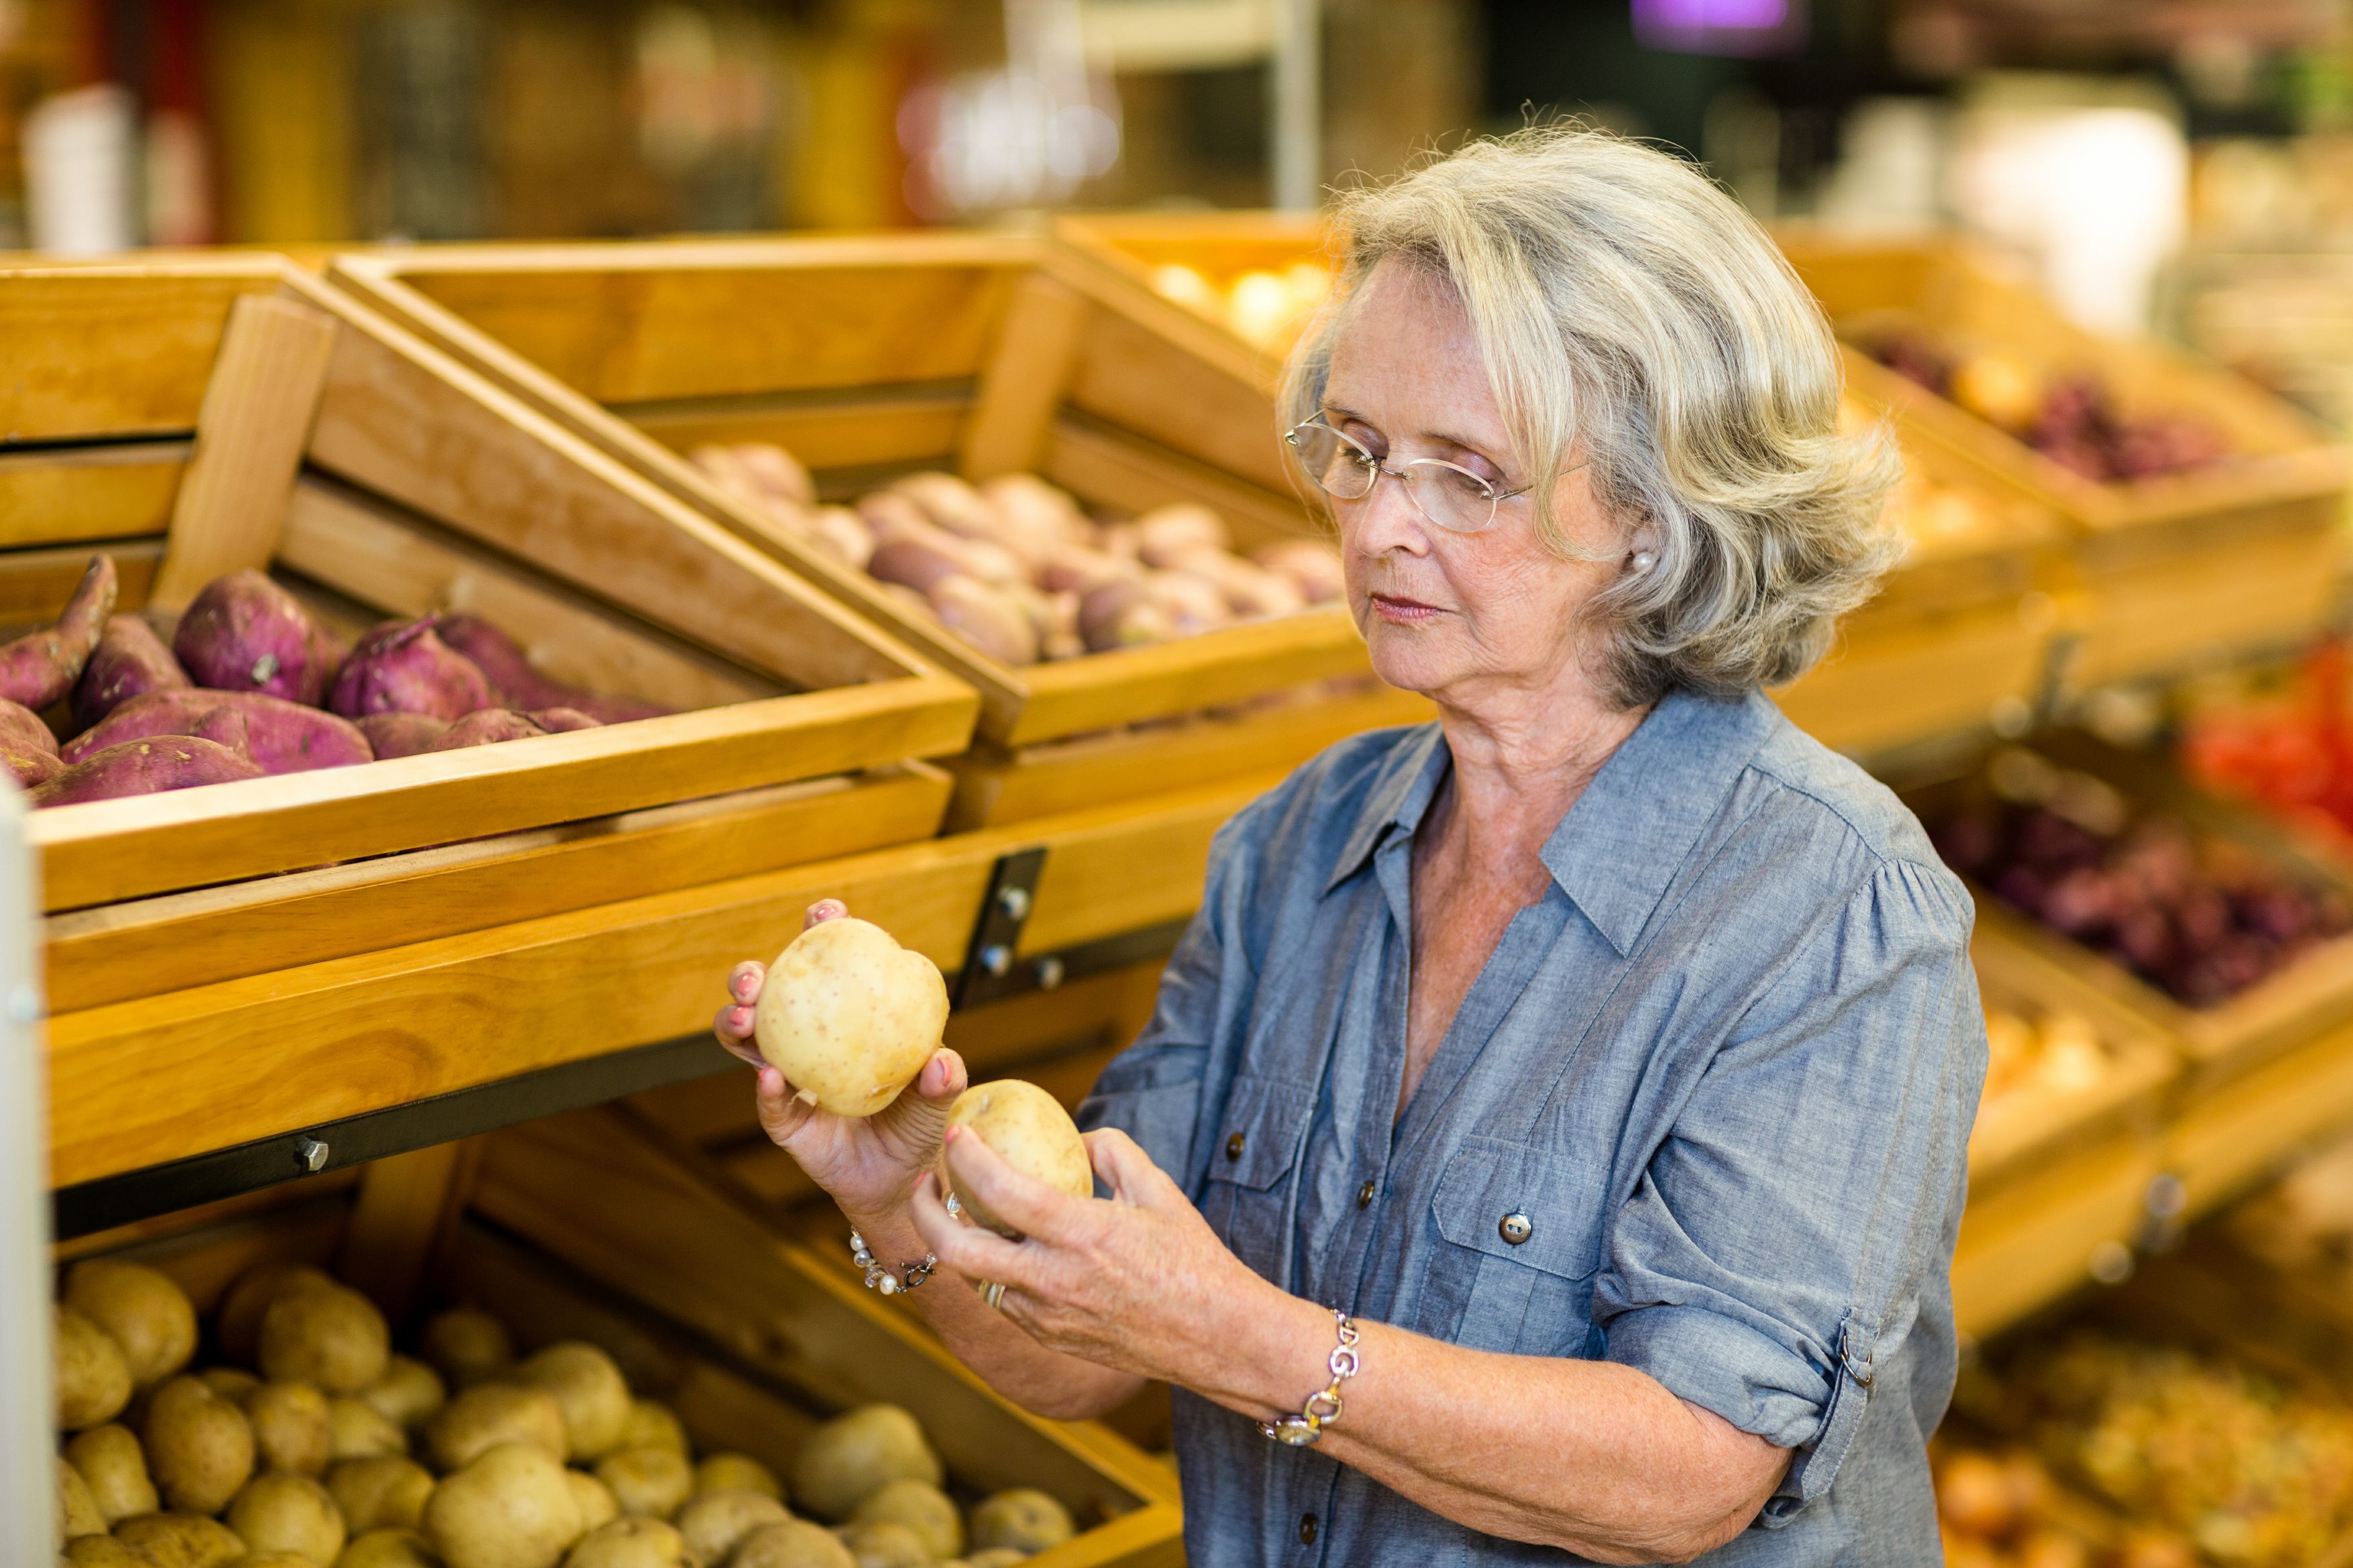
pixel 1621 844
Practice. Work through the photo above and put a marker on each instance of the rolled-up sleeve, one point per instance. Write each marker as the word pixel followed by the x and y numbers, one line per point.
pixel 1777 1241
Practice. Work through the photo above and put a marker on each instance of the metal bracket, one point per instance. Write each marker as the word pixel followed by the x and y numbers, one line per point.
pixel 989 969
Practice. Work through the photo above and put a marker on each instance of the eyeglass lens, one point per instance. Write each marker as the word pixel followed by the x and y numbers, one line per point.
pixel 1453 498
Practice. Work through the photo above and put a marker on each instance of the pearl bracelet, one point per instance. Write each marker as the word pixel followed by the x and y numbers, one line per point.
pixel 879 1278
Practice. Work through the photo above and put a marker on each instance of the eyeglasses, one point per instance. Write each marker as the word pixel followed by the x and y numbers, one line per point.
pixel 1447 494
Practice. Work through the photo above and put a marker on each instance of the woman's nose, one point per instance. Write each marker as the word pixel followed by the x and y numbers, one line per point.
pixel 1388 519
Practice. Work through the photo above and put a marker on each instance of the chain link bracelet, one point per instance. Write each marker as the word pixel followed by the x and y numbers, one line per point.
pixel 1323 1406
pixel 879 1278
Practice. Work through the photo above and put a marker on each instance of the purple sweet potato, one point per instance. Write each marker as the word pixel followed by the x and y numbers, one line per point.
pixel 148 766
pixel 26 767
pixel 401 734
pixel 21 730
pixel 244 633
pixel 283 737
pixel 487 728
pixel 501 658
pixel 404 667
pixel 556 721
pixel 129 661
pixel 41 667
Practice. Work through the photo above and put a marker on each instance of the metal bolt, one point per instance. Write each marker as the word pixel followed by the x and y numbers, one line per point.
pixel 1050 973
pixel 2111 1263
pixel 997 959
pixel 311 1155
pixel 1516 1228
pixel 2166 1197
pixel 1015 902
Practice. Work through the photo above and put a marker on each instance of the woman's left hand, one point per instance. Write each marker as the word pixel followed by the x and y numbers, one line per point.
pixel 1140 1284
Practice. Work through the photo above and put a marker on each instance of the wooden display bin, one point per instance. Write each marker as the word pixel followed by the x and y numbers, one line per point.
pixel 582 1229
pixel 867 357
pixel 191 417
pixel 2055 1178
pixel 2178 572
pixel 1220 246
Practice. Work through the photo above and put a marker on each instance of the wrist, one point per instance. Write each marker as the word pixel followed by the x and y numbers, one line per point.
pixel 1266 1353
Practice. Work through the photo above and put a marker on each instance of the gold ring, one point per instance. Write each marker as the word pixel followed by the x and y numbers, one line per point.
pixel 994 1296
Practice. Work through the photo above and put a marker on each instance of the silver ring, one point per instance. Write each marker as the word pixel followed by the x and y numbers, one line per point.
pixel 955 1208
pixel 994 1297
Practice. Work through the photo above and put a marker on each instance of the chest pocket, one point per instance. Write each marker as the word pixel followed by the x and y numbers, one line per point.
pixel 1519 1232
pixel 1250 1192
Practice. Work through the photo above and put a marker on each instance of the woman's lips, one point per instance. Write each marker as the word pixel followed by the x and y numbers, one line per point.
pixel 1401 611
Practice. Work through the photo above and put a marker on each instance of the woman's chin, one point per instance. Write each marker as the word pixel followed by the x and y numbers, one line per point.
pixel 1408 662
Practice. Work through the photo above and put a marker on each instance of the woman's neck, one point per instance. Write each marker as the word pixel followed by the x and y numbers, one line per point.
pixel 1520 761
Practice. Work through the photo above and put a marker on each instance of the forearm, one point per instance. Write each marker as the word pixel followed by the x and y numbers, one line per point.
pixel 1044 1381
pixel 1590 1457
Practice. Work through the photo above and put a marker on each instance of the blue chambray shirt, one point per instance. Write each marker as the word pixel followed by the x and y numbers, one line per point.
pixel 1725 1066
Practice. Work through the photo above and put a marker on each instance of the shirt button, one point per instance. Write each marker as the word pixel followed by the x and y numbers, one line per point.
pixel 1306 1530
pixel 1516 1228
pixel 1234 1147
pixel 1365 1196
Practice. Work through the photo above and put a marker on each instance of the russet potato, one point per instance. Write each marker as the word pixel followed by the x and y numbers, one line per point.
pixel 94 1376
pixel 491 1414
pixel 589 1390
pixel 148 1314
pixel 199 1447
pixel 288 1513
pixel 1030 1131
pixel 922 1507
pixel 381 1493
pixel 324 1335
pixel 847 1458
pixel 510 1507
pixel 112 1461
pixel 715 1523
pixel 849 1016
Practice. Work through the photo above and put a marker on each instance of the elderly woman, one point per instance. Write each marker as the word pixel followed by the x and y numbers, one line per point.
pixel 1551 1136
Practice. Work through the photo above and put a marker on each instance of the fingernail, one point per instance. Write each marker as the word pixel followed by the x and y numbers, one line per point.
pixel 951 1135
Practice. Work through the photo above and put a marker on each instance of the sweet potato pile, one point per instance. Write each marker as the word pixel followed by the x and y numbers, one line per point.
pixel 252 684
pixel 1014 568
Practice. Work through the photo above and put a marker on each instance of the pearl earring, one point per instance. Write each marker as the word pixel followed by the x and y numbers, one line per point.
pixel 1642 561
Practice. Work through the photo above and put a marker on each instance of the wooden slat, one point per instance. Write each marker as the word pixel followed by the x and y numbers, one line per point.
pixel 140 1082
pixel 36 583
pixel 2228 1138
pixel 1230 664
pixel 372 553
pixel 127 848
pixel 1112 467
pixel 994 786
pixel 250 432
pixel 1136 379
pixel 1898 678
pixel 1036 353
pixel 131 360
pixel 405 1212
pixel 119 953
pixel 62 494
pixel 2032 1241
pixel 866 432
pixel 414 426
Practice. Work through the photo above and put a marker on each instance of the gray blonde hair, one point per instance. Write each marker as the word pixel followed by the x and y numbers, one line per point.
pixel 1632 317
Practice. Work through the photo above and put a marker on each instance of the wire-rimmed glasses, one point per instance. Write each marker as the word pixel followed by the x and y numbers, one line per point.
pixel 1447 494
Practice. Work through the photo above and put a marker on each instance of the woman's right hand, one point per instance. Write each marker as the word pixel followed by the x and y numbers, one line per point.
pixel 868 1164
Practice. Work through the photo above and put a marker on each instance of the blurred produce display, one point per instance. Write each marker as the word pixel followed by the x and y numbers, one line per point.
pixel 252 683
pixel 2049 1053
pixel 309 1437
pixel 2199 918
pixel 2000 1509
pixel 1934 517
pixel 2177 1440
pixel 2072 417
pixel 1014 568
pixel 2289 749
pixel 1266 307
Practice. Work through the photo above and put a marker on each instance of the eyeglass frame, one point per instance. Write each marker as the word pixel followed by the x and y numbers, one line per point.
pixel 1495 498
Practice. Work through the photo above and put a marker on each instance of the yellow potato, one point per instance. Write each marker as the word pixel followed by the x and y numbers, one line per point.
pixel 148 1314
pixel 737 1473
pixel 598 1507
pixel 112 1461
pixel 381 1493
pixel 100 1552
pixel 237 1325
pixel 652 1425
pixel 849 1456
pixel 511 1508
pixel 290 1428
pixel 633 1544
pixel 647 1483
pixel 589 1390
pixel 358 1431
pixel 389 1548
pixel 466 1345
pixel 715 1523
pixel 232 1384
pixel 995 1557
pixel 288 1513
pixel 849 1016
pixel 921 1508
pixel 77 1512
pixel 1030 1131
pixel 1022 1519
pixel 199 1447
pixel 795 1543
pixel 886 1546
pixel 410 1393
pixel 180 1540
pixel 324 1335
pixel 493 1414
pixel 94 1376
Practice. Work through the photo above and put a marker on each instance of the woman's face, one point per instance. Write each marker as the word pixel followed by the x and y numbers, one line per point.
pixel 1448 614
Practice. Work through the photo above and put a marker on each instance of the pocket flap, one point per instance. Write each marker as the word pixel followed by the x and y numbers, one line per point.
pixel 1489 1180
pixel 1258 1137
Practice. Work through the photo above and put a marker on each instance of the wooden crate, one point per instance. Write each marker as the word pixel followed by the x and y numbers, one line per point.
pixel 2055 1178
pixel 871 356
pixel 770 1341
pixel 1220 246
pixel 231 1054
pixel 143 419
pixel 2177 571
